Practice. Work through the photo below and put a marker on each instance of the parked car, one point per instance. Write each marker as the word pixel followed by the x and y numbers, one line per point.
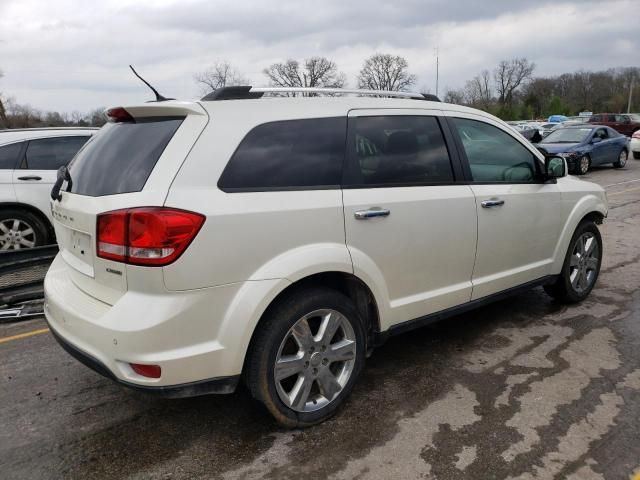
pixel 634 145
pixel 624 123
pixel 277 242
pixel 586 146
pixel 29 159
pixel 547 128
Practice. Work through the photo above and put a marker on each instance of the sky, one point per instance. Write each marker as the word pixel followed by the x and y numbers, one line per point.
pixel 68 55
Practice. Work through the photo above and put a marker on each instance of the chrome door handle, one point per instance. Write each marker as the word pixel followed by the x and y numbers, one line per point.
pixel 371 213
pixel 30 177
pixel 494 202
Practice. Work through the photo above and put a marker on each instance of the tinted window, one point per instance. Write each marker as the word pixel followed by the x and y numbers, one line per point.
pixel 292 153
pixel 494 155
pixel 9 155
pixel 52 153
pixel 601 133
pixel 121 156
pixel 398 150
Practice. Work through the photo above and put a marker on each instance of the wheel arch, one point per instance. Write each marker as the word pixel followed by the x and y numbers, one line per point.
pixel 589 208
pixel 35 211
pixel 346 283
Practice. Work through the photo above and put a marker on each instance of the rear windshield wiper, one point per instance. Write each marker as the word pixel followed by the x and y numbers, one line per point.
pixel 63 175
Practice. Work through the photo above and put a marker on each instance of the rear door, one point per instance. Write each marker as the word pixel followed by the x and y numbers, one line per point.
pixel 410 226
pixel 518 220
pixel 36 173
pixel 126 164
pixel 9 155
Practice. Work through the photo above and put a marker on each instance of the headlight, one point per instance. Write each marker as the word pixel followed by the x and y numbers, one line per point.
pixel 569 155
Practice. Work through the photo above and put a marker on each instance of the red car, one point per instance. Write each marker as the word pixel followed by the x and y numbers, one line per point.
pixel 625 123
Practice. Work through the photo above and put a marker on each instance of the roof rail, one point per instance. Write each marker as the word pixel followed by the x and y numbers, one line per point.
pixel 36 129
pixel 246 92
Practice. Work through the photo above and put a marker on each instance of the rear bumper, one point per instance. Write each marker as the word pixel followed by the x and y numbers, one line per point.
pixel 198 338
pixel 191 389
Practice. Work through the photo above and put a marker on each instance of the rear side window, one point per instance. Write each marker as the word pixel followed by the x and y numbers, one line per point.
pixel 52 153
pixel 289 154
pixel 9 155
pixel 494 155
pixel 397 151
pixel 121 156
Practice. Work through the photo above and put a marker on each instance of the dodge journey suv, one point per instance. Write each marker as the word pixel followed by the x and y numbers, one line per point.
pixel 277 240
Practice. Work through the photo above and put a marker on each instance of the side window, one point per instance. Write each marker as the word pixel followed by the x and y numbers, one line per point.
pixel 397 150
pixel 601 133
pixel 286 154
pixel 52 153
pixel 494 155
pixel 9 155
pixel 610 118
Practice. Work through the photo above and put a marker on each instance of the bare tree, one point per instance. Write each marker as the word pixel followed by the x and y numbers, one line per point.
pixel 509 75
pixel 454 96
pixel 4 121
pixel 478 90
pixel 316 72
pixel 383 71
pixel 220 74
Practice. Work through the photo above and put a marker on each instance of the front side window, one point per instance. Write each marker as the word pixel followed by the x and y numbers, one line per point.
pixel 601 133
pixel 9 155
pixel 288 154
pixel 398 150
pixel 52 153
pixel 494 155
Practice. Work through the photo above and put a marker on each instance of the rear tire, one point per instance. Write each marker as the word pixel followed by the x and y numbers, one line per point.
pixel 296 366
pixel 622 160
pixel 581 265
pixel 21 229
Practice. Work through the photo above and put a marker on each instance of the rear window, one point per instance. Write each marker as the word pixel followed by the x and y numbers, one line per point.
pixel 121 156
pixel 289 154
pixel 52 153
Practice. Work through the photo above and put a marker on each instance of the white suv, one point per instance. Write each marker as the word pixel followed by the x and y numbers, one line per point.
pixel 278 240
pixel 29 159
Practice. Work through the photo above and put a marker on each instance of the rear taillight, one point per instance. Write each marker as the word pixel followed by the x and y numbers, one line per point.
pixel 636 134
pixel 153 236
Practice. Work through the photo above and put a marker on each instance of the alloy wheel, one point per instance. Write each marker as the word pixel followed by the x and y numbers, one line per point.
pixel 583 266
pixel 622 159
pixel 16 234
pixel 315 360
pixel 584 165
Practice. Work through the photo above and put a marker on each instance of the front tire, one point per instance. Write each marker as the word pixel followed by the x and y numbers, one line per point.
pixel 306 356
pixel 581 265
pixel 583 164
pixel 622 160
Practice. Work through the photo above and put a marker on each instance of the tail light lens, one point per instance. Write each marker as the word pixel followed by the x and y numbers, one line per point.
pixel 152 236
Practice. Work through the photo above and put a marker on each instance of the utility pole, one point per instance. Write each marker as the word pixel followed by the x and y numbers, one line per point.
pixel 437 69
pixel 630 92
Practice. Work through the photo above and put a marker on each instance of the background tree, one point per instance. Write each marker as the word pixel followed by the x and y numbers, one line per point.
pixel 317 72
pixel 220 74
pixel 478 91
pixel 385 72
pixel 454 96
pixel 509 75
pixel 4 121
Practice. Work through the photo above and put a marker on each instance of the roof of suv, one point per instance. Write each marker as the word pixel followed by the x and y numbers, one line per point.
pixel 19 134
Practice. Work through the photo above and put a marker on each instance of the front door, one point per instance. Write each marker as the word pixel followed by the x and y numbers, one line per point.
pixel 519 216
pixel 410 228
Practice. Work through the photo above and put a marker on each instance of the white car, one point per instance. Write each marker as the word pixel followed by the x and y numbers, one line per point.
pixel 277 241
pixel 634 144
pixel 29 159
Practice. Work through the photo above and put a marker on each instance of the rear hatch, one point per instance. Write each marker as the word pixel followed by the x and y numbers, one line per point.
pixel 129 163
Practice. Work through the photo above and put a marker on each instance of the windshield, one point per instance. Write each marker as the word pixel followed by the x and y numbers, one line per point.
pixel 121 156
pixel 567 135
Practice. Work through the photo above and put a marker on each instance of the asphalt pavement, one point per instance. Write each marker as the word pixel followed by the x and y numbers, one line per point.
pixel 524 388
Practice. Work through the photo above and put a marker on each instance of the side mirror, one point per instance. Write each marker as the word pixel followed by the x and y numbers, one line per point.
pixel 555 167
pixel 596 140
